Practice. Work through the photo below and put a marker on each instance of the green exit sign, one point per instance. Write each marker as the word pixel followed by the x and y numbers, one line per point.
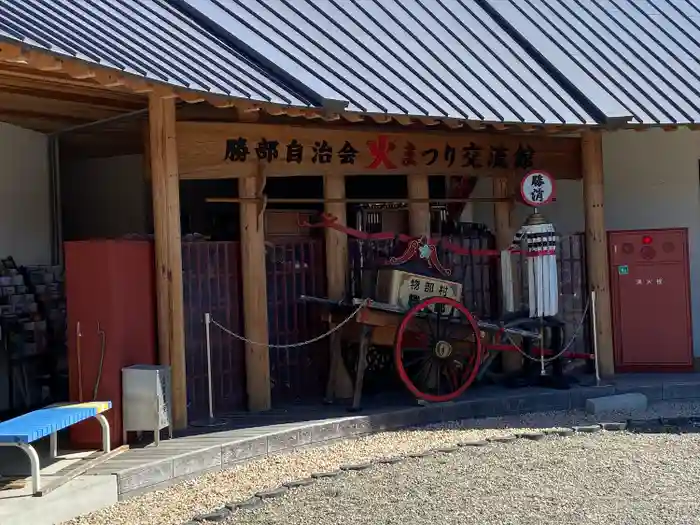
pixel 623 270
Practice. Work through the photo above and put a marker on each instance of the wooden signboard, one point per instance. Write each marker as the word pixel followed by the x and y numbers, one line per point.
pixel 232 150
pixel 405 289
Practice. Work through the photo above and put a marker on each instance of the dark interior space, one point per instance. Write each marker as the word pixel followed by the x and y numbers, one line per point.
pixel 220 221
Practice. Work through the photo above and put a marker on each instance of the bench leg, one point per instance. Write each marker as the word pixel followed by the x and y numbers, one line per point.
pixel 33 463
pixel 53 445
pixel 106 447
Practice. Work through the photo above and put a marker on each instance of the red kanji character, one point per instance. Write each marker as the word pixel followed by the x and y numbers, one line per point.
pixel 380 149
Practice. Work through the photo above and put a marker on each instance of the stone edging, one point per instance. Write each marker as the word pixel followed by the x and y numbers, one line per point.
pixel 671 425
pixel 164 473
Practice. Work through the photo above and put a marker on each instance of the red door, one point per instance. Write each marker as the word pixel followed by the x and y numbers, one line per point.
pixel 651 300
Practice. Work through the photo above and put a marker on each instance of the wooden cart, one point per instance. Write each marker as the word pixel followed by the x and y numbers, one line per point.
pixel 410 303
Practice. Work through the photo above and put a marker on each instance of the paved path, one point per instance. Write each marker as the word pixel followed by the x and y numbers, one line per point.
pixel 603 478
pixel 217 492
pixel 151 468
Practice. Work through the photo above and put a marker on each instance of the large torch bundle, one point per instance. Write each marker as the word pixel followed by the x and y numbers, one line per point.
pixel 536 240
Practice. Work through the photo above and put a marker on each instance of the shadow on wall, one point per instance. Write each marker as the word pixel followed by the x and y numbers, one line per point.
pixel 104 198
pixel 25 219
pixel 566 212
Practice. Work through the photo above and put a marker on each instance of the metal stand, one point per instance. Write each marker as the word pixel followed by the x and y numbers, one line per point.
pixel 211 421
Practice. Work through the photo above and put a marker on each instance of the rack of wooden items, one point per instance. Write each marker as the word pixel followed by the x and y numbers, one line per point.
pixel 32 321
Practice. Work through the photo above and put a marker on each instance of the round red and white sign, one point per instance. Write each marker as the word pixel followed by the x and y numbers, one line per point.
pixel 537 188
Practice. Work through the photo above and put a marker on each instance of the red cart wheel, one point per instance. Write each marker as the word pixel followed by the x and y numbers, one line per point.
pixel 438 349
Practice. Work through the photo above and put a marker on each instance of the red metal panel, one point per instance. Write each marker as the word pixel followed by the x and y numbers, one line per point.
pixel 212 283
pixel 650 287
pixel 110 283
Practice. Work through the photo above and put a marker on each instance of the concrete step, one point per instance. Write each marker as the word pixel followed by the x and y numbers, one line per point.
pixel 616 403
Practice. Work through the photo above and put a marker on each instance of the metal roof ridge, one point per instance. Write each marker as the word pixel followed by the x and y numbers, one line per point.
pixel 568 86
pixel 226 37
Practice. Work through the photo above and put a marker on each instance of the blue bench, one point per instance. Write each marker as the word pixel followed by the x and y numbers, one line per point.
pixel 22 431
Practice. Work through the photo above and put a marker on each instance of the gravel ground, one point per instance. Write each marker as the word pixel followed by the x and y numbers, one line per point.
pixel 604 478
pixel 181 502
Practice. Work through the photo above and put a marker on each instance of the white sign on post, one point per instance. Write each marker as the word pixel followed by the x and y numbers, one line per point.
pixel 537 188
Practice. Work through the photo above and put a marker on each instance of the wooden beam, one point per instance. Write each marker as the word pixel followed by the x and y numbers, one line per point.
pixel 108 79
pixel 48 86
pixel 257 357
pixel 418 212
pixel 78 69
pixel 393 200
pixel 166 216
pixel 44 62
pixel 13 53
pixel 248 116
pixel 597 246
pixel 38 115
pixel 339 382
pixel 512 361
pixel 55 107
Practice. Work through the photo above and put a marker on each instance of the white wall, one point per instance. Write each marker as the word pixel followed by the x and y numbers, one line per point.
pixel 652 180
pixel 25 210
pixel 103 197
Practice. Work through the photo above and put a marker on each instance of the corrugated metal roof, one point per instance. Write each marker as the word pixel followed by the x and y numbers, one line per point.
pixel 630 57
pixel 416 57
pixel 151 39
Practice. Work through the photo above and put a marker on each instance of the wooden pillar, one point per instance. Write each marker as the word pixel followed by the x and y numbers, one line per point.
pixel 166 218
pixel 597 246
pixel 419 212
pixel 512 361
pixel 160 227
pixel 501 210
pixel 339 382
pixel 147 182
pixel 257 357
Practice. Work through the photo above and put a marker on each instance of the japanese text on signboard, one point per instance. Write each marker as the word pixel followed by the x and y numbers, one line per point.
pixel 211 150
pixel 416 288
pixel 537 192
pixel 537 188
pixel 380 153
